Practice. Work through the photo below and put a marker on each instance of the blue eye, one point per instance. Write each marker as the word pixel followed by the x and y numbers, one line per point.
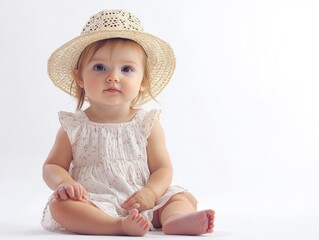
pixel 127 69
pixel 99 67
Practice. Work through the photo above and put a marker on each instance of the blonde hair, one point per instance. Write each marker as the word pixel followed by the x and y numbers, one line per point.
pixel 86 56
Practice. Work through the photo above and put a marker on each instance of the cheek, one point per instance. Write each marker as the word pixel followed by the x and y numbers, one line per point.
pixel 91 85
pixel 135 86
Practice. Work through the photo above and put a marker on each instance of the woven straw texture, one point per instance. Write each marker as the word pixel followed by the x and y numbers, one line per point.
pixel 113 24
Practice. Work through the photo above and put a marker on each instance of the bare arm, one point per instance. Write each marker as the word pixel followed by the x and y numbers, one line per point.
pixel 161 172
pixel 159 161
pixel 56 167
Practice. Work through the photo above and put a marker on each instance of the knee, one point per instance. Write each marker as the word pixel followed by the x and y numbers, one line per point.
pixel 185 196
pixel 57 209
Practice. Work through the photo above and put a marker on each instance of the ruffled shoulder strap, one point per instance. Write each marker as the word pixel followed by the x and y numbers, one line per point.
pixel 148 118
pixel 71 123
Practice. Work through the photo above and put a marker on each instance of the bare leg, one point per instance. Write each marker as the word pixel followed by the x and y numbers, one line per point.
pixel 82 217
pixel 179 216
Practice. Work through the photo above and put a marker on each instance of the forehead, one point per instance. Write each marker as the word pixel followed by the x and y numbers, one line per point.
pixel 123 49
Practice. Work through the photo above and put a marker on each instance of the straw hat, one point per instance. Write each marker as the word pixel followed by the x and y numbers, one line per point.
pixel 113 24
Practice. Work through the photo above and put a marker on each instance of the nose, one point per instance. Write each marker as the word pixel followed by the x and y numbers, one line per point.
pixel 112 76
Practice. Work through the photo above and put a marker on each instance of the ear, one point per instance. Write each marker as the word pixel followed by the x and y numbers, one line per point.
pixel 78 80
pixel 142 87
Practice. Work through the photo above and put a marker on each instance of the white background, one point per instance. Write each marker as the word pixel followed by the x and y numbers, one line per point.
pixel 241 112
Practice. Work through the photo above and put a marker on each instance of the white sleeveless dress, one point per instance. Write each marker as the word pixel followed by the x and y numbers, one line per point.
pixel 110 161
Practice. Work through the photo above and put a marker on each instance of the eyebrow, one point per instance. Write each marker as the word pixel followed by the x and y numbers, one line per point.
pixel 124 61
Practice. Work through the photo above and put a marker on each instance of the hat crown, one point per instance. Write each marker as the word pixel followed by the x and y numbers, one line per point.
pixel 112 20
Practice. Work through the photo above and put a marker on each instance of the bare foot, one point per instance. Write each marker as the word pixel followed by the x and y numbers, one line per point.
pixel 134 224
pixel 191 224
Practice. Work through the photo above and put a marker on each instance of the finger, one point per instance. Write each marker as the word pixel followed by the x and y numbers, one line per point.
pixel 129 204
pixel 82 193
pixel 85 193
pixel 55 194
pixel 126 202
pixel 70 191
pixel 62 193
pixel 77 192
pixel 136 205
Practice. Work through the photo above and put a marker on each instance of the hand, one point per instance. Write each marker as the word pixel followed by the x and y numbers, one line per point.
pixel 70 190
pixel 141 200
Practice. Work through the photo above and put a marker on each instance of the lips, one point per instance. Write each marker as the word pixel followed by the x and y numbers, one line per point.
pixel 112 90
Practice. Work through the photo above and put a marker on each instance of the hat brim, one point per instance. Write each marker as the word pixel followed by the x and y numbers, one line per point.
pixel 160 59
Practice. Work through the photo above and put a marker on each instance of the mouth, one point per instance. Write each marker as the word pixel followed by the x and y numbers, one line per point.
pixel 112 90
